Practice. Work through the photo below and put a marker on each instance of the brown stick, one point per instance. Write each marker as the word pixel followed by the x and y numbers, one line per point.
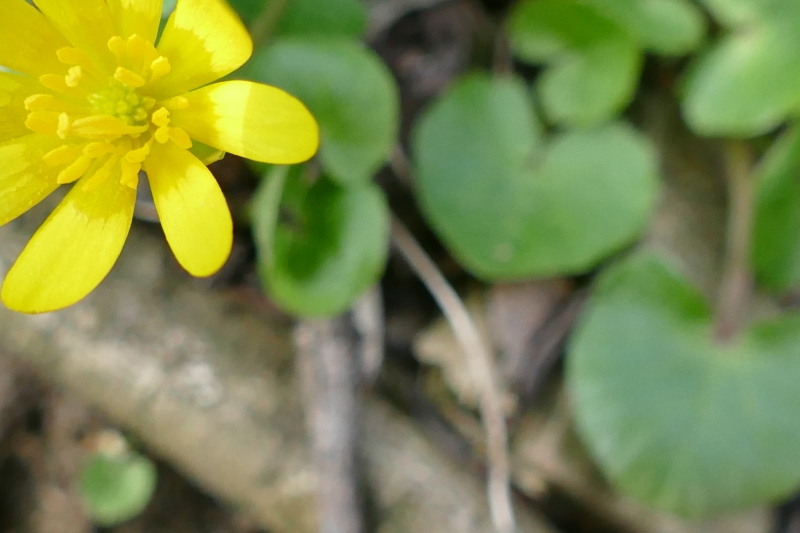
pixel 206 381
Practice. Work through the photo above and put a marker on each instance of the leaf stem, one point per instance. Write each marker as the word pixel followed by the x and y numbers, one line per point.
pixel 736 287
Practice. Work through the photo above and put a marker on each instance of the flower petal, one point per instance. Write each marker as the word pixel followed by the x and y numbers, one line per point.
pixel 73 250
pixel 14 89
pixel 86 24
pixel 29 42
pixel 251 120
pixel 140 17
pixel 25 180
pixel 204 40
pixel 191 207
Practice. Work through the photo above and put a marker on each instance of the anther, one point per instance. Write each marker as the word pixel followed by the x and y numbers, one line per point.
pixel 117 46
pixel 63 125
pixel 160 118
pixel 177 102
pixel 73 172
pixel 100 175
pixel 98 149
pixel 74 76
pixel 54 82
pixel 180 137
pixel 160 67
pixel 128 77
pixel 39 102
pixel 44 122
pixel 62 155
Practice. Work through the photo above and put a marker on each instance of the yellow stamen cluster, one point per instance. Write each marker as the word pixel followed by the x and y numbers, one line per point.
pixel 108 122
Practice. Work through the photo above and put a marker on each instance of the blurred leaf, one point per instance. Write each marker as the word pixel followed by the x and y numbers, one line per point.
pixel 350 92
pixel 749 81
pixel 595 64
pixel 249 10
pixel 509 203
pixel 673 418
pixel 323 17
pixel 776 235
pixel 327 249
pixel 669 27
pixel 117 488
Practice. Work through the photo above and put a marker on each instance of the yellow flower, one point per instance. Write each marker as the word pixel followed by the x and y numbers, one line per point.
pixel 93 101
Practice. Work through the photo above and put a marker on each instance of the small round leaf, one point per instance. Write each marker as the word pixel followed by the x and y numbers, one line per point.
pixel 116 489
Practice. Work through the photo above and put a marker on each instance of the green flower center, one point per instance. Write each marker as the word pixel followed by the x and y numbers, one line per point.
pixel 124 102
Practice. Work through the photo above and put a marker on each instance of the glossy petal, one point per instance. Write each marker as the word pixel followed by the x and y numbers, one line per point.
pixel 86 24
pixel 14 89
pixel 140 17
pixel 251 120
pixel 73 250
pixel 29 42
pixel 25 180
pixel 191 207
pixel 204 40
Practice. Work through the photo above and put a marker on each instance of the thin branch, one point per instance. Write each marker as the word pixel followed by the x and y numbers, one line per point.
pixel 737 282
pixel 481 368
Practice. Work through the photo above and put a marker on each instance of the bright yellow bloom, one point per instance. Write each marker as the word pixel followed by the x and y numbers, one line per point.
pixel 95 102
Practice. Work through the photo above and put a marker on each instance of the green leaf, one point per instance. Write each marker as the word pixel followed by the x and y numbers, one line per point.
pixel 669 27
pixel 249 10
pixel 329 247
pixel 776 234
pixel 674 418
pixel 117 488
pixel 594 62
pixel 510 203
pixel 350 92
pixel 323 17
pixel 749 81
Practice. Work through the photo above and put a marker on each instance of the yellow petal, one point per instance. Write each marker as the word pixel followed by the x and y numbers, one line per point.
pixel 204 40
pixel 251 120
pixel 25 179
pixel 140 17
pixel 73 250
pixel 191 207
pixel 86 24
pixel 14 90
pixel 28 42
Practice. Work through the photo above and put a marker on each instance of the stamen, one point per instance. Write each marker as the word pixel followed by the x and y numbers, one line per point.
pixel 63 125
pixel 128 77
pixel 162 134
pixel 160 67
pixel 44 122
pixel 73 172
pixel 39 102
pixel 160 117
pixel 54 82
pixel 118 48
pixel 74 76
pixel 73 56
pixel 138 155
pixel 98 149
pixel 176 103
pixel 130 173
pixel 180 137
pixel 100 175
pixel 104 126
pixel 62 155
pixel 141 51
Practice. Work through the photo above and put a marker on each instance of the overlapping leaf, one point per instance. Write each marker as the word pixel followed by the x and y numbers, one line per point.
pixel 350 92
pixel 595 49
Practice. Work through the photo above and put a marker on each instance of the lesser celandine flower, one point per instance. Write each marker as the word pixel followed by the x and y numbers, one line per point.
pixel 93 101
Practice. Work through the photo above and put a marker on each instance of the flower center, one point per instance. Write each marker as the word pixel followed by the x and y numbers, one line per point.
pixel 108 121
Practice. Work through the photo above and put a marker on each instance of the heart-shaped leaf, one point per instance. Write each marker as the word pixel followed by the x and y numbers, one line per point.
pixel 304 17
pixel 595 63
pixel 594 49
pixel 511 204
pixel 672 417
pixel 776 234
pixel 749 81
pixel 329 245
pixel 117 488
pixel 350 92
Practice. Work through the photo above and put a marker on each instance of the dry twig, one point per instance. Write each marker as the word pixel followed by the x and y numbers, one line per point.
pixel 481 368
